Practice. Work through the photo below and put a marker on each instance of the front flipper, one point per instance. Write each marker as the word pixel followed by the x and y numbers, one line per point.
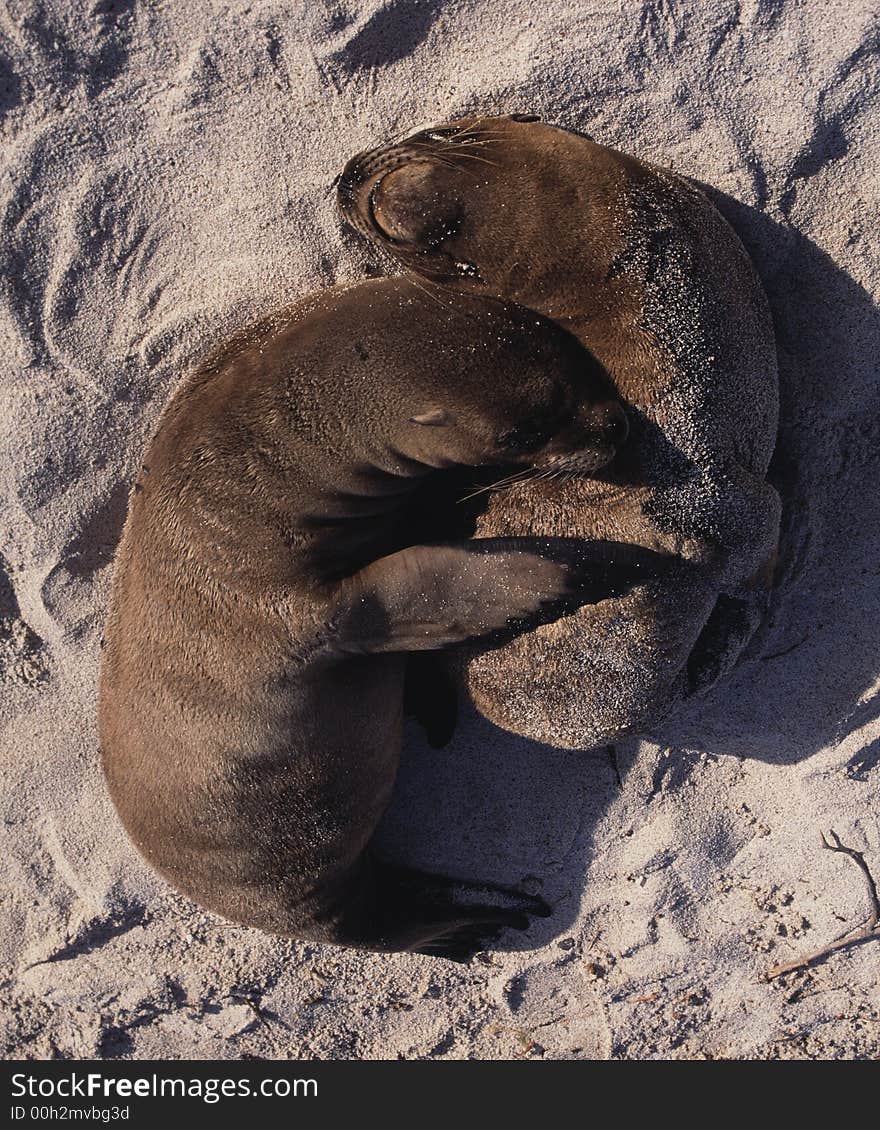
pixel 430 596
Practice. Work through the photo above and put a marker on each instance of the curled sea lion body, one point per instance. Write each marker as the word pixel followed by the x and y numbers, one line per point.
pixel 640 267
pixel 264 595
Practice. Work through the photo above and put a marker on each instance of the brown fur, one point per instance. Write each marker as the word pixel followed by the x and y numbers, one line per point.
pixel 264 595
pixel 639 266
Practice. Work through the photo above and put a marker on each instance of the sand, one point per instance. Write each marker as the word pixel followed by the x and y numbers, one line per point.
pixel 165 176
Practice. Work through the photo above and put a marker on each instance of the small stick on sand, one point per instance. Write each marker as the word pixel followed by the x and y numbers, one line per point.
pixel 866 932
pixel 612 757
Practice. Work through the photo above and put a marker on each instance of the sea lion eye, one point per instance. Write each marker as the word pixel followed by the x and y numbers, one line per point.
pixel 524 118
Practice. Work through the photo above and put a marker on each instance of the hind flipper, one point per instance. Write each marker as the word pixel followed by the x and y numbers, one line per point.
pixel 443 888
pixel 404 910
pixel 454 932
pixel 462 943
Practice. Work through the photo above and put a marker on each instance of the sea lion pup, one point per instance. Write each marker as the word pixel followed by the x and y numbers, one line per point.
pixel 642 269
pixel 251 687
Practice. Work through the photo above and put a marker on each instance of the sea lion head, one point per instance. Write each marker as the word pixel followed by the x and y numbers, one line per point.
pixel 502 205
pixel 553 432
pixel 500 384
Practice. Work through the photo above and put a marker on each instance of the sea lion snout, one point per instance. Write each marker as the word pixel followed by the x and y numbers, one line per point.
pixel 411 194
pixel 352 177
pixel 396 195
pixel 607 419
pixel 591 441
pixel 356 185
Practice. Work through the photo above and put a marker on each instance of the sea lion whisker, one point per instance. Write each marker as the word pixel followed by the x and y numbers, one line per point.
pixel 508 479
pixel 482 490
pixel 473 141
pixel 491 486
pixel 465 141
pixel 502 484
pixel 474 133
pixel 450 163
pixel 445 160
pixel 458 132
pixel 481 138
pixel 412 277
pixel 458 154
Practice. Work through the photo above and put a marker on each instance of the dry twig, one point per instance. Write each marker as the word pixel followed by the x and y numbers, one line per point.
pixel 615 767
pixel 868 931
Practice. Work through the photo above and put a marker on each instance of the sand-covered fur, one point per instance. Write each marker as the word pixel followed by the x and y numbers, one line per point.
pixel 645 272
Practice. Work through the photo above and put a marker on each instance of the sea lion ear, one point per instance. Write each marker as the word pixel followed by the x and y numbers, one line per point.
pixel 433 418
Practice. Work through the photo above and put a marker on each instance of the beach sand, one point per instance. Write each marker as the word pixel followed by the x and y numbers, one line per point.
pixel 166 175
